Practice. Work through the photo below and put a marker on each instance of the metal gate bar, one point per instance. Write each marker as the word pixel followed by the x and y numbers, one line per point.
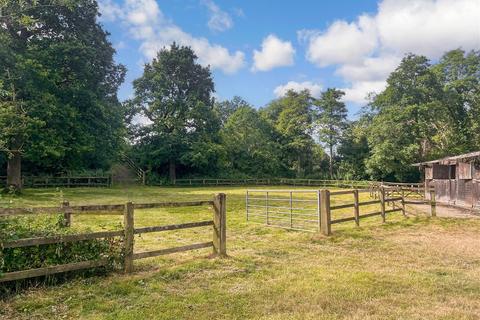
pixel 289 209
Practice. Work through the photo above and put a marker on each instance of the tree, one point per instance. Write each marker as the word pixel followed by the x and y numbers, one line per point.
pixel 226 108
pixel 404 120
pixel 292 117
pixel 353 150
pixel 57 73
pixel 459 75
pixel 250 145
pixel 175 94
pixel 331 120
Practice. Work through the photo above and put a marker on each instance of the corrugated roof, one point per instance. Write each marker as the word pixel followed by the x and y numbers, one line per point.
pixel 450 159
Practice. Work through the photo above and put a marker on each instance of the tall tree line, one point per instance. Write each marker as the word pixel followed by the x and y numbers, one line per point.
pixel 59 110
pixel 58 88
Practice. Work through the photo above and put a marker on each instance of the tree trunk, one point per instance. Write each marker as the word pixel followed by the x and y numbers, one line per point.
pixel 14 171
pixel 172 170
pixel 331 162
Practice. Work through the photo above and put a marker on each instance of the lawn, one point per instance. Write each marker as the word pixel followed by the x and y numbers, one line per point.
pixel 408 268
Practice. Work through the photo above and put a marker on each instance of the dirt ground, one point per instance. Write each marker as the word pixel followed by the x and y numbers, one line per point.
pixel 445 211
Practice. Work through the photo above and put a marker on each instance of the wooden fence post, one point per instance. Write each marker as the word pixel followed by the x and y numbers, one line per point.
pixel 356 207
pixel 325 218
pixel 382 203
pixel 67 214
pixel 128 221
pixel 403 203
pixel 220 224
pixel 433 203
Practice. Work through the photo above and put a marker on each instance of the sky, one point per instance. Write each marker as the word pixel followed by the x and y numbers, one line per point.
pixel 258 50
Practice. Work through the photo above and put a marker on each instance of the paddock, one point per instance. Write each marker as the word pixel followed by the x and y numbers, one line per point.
pixel 408 267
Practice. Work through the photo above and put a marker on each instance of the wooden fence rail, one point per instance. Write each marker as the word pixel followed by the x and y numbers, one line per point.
pixel 64 182
pixel 385 197
pixel 218 242
pixel 278 208
pixel 273 181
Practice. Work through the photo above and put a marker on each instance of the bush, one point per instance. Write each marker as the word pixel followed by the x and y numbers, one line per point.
pixel 16 259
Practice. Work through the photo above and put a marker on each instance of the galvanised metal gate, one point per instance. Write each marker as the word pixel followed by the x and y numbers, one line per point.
pixel 289 209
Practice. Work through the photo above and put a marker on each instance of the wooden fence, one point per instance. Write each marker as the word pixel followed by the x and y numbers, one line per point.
pixel 273 181
pixel 218 242
pixel 64 182
pixel 320 212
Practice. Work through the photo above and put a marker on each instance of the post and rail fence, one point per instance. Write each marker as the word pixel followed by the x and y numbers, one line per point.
pixel 311 210
pixel 63 182
pixel 218 242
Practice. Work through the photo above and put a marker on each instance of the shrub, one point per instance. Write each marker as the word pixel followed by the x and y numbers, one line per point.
pixel 16 259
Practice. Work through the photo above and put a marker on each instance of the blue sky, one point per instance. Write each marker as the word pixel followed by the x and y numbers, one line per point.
pixel 259 49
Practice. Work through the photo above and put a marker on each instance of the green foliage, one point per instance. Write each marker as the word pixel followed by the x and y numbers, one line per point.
pixel 58 85
pixel 419 116
pixel 250 146
pixel 292 116
pixel 175 94
pixel 331 120
pixel 16 259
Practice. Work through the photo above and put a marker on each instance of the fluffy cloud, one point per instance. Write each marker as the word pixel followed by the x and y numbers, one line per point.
pixel 145 22
pixel 314 88
pixel 369 48
pixel 369 69
pixel 219 19
pixel 359 91
pixel 342 43
pixel 428 27
pixel 275 53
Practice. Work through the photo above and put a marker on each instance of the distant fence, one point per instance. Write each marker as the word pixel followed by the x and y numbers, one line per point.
pixel 273 181
pixel 218 242
pixel 311 210
pixel 64 182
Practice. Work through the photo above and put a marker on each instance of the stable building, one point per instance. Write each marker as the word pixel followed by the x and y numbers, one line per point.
pixel 456 179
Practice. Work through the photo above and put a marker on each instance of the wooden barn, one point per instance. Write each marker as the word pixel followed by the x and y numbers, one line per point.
pixel 456 179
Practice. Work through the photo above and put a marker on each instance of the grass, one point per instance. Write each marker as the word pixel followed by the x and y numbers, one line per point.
pixel 407 268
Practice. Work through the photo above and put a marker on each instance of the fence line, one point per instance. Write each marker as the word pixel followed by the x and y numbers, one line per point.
pixel 272 181
pixel 218 242
pixel 321 213
pixel 66 182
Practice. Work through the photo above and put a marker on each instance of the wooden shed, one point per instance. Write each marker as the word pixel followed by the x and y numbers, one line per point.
pixel 456 179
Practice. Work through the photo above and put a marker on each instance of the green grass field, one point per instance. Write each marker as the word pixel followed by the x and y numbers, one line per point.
pixel 407 268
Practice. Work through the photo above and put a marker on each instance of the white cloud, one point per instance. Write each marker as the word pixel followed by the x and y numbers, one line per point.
pixel 145 22
pixel 274 53
pixel 219 19
pixel 359 91
pixel 314 88
pixel 110 11
pixel 368 49
pixel 429 27
pixel 342 43
pixel 370 69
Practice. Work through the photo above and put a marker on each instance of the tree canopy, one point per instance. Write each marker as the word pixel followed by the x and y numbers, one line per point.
pixel 59 110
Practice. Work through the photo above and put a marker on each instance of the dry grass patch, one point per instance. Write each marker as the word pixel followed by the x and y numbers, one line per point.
pixel 408 268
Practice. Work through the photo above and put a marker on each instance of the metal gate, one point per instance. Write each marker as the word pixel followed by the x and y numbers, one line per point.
pixel 289 209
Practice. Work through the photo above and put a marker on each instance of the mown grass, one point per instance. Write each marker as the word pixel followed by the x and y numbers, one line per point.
pixel 407 268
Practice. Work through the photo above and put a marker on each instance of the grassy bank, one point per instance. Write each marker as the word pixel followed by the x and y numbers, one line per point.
pixel 407 268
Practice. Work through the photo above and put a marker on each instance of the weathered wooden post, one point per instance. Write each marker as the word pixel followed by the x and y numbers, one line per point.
pixel 291 209
pixel 382 203
pixel 128 221
pixel 325 219
pixel 220 225
pixel 433 203
pixel 319 216
pixel 67 214
pixel 403 203
pixel 356 207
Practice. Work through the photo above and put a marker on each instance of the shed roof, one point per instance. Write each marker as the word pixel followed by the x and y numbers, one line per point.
pixel 449 160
